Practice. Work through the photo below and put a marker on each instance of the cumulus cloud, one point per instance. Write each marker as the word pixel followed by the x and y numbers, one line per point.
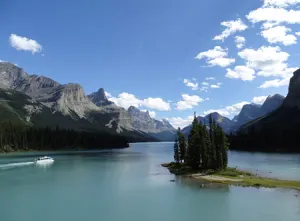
pixel 229 110
pixel 274 15
pixel 26 44
pixel 205 83
pixel 107 94
pixel 276 83
pixel 216 57
pixel 231 27
pixel 188 102
pixel 268 61
pixel 298 33
pixel 212 78
pixel 191 84
pixel 239 41
pixel 259 100
pixel 126 100
pixel 241 72
pixel 180 122
pixel 279 34
pixel 151 113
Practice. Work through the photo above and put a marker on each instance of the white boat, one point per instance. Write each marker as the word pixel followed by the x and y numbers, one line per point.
pixel 44 159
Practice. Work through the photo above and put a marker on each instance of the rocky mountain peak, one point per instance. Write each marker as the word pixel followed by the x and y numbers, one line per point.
pixel 11 75
pixel 293 97
pixel 99 98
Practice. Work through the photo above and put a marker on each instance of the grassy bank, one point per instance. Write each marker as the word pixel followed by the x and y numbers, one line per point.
pixel 231 176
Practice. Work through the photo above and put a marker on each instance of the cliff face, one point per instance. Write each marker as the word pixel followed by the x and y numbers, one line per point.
pixel 293 98
pixel 11 76
pixel 141 120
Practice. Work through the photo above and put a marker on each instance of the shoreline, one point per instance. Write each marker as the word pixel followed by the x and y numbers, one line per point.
pixel 231 176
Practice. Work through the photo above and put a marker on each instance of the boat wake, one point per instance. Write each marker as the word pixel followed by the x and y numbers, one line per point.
pixel 14 165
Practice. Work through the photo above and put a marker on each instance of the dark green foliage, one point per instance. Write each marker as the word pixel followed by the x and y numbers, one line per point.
pixel 182 145
pixel 176 152
pixel 277 132
pixel 194 145
pixel 206 149
pixel 14 137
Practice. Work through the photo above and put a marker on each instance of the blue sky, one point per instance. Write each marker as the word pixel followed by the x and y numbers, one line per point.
pixel 169 57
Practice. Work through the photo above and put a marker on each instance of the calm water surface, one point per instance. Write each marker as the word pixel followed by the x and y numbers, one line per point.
pixel 131 185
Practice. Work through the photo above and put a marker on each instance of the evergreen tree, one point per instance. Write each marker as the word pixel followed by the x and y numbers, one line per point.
pixel 205 144
pixel 182 145
pixel 212 150
pixel 176 151
pixel 194 141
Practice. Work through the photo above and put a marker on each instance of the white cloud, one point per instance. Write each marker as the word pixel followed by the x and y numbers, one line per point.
pixel 222 62
pixel 126 100
pixel 205 83
pixel 218 85
pixel 274 15
pixel 298 33
pixel 189 83
pixel 239 41
pixel 276 83
pixel 25 44
pixel 280 3
pixel 180 122
pixel 229 110
pixel 279 34
pixel 212 78
pixel 217 52
pixel 188 102
pixel 259 100
pixel 241 72
pixel 156 103
pixel 231 27
pixel 216 57
pixel 107 94
pixel 151 113
pixel 269 61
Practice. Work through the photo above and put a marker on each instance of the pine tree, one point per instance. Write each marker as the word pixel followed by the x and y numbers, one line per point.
pixel 205 144
pixel 194 145
pixel 182 145
pixel 176 151
pixel 212 150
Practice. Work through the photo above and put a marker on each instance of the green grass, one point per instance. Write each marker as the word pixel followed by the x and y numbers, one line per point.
pixel 242 178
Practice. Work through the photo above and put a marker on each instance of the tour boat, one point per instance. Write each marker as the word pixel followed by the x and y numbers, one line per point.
pixel 44 159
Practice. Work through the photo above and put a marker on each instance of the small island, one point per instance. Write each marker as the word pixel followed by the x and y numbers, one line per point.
pixel 205 157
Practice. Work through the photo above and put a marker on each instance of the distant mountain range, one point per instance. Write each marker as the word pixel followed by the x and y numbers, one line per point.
pixel 41 101
pixel 248 113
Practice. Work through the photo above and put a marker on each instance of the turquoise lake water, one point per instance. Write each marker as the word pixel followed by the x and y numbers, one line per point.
pixel 131 185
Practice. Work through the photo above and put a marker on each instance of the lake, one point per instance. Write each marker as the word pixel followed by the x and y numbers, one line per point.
pixel 129 184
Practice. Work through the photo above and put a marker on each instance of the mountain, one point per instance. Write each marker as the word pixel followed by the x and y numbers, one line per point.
pixel 280 129
pixel 248 112
pixel 51 103
pixel 271 104
pixel 252 112
pixel 225 123
pixel 122 117
pixel 142 121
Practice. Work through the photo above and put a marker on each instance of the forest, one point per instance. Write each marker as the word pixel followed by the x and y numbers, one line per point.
pixel 271 140
pixel 206 148
pixel 20 137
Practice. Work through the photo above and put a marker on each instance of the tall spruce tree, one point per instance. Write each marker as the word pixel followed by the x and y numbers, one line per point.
pixel 182 145
pixel 193 158
pixel 176 151
pixel 212 151
pixel 223 148
pixel 219 153
pixel 203 143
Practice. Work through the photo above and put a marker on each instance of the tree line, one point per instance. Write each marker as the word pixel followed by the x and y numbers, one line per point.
pixel 206 148
pixel 273 139
pixel 15 137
